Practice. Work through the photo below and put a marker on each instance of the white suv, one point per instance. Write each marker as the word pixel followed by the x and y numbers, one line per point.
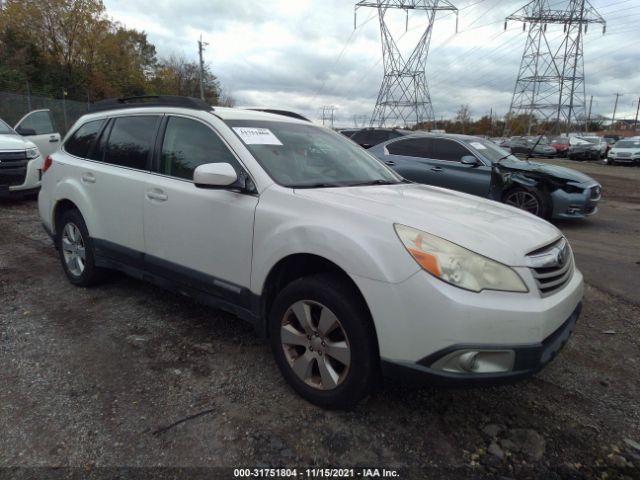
pixel 348 269
pixel 22 152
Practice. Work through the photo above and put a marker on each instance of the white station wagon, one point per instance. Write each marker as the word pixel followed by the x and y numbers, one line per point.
pixel 349 270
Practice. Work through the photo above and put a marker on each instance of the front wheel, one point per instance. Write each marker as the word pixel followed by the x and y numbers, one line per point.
pixel 323 340
pixel 531 201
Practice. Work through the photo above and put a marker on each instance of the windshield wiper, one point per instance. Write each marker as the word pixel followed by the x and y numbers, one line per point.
pixel 316 185
pixel 373 182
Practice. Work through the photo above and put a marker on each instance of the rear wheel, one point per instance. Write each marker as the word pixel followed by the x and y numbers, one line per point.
pixel 76 250
pixel 531 201
pixel 323 341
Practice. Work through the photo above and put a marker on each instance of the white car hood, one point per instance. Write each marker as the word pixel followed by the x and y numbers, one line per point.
pixel 14 142
pixel 497 231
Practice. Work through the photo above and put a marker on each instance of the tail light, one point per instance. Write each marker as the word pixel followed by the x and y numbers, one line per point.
pixel 47 163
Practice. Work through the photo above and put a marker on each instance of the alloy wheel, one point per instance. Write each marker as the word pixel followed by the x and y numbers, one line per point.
pixel 73 249
pixel 523 200
pixel 315 345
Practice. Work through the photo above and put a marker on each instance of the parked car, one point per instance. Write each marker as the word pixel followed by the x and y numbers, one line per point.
pixel 348 132
pixel 625 151
pixel 22 151
pixel 610 143
pixel 531 147
pixel 587 148
pixel 561 144
pixel 346 268
pixel 479 167
pixel 370 136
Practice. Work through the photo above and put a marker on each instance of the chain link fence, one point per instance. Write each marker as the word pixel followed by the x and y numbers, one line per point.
pixel 13 106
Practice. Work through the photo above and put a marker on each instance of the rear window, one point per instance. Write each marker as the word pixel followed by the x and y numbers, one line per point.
pixel 83 138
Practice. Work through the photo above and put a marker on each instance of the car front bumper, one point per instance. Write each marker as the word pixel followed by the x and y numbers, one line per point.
pixel 29 176
pixel 584 154
pixel 420 320
pixel 629 160
pixel 576 205
pixel 527 360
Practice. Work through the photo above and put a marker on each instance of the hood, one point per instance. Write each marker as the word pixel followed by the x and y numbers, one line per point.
pixel 15 142
pixel 497 231
pixel 555 171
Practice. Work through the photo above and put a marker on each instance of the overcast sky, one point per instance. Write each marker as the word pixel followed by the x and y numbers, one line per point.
pixel 304 54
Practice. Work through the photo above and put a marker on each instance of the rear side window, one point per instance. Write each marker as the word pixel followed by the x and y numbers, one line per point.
pixel 370 137
pixel 449 150
pixel 81 141
pixel 412 147
pixel 130 141
pixel 188 144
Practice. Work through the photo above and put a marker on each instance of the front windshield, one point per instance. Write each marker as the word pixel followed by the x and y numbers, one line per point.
pixel 306 156
pixel 491 151
pixel 628 144
pixel 6 129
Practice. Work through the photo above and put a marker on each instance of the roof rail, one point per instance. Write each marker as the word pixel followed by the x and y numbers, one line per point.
pixel 150 101
pixel 285 113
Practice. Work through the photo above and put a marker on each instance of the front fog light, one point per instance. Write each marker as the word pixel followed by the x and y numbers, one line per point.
pixel 476 361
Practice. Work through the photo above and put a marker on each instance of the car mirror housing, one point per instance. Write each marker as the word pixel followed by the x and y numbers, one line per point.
pixel 469 160
pixel 214 175
pixel 25 132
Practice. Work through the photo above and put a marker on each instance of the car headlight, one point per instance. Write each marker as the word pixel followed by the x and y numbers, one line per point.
pixel 456 265
pixel 32 153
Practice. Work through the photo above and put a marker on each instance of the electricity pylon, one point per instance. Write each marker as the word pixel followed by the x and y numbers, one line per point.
pixel 550 85
pixel 404 96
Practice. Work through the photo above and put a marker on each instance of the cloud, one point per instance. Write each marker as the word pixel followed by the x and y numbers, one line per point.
pixel 304 54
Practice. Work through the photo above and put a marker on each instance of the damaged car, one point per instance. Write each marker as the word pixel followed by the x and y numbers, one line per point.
pixel 480 167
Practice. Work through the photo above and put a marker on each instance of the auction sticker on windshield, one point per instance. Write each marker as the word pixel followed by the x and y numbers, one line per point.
pixel 257 136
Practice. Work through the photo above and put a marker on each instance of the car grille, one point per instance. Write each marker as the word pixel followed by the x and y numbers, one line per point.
pixel 624 154
pixel 12 156
pixel 13 169
pixel 552 266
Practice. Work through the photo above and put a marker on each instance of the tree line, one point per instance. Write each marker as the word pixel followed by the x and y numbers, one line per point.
pixel 72 48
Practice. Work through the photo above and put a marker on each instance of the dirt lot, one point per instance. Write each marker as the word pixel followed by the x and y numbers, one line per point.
pixel 99 378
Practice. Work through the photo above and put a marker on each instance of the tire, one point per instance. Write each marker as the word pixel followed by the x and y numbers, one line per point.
pixel 611 162
pixel 337 380
pixel 74 242
pixel 525 199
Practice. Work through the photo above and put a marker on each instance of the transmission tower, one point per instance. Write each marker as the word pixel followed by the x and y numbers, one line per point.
pixel 550 85
pixel 404 96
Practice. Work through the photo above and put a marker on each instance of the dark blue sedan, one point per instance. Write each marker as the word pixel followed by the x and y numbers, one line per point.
pixel 480 167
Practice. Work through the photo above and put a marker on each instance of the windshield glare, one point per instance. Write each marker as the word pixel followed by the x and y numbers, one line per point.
pixel 304 155
pixel 5 129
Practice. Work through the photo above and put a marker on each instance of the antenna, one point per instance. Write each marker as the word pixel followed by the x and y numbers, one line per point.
pixel 551 85
pixel 404 96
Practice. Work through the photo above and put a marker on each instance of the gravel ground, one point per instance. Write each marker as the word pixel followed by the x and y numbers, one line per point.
pixel 129 375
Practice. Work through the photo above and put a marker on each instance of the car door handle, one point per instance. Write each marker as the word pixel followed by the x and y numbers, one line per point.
pixel 53 140
pixel 88 178
pixel 157 195
pixel 437 169
pixel 390 162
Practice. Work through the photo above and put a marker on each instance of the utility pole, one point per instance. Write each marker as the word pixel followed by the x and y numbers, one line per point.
pixel 635 123
pixel 615 108
pixel 551 83
pixel 589 114
pixel 403 98
pixel 201 46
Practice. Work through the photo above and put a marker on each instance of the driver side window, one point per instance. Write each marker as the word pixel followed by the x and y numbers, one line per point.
pixel 188 144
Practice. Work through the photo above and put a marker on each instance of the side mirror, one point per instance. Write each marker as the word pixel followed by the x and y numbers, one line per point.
pixel 25 132
pixel 214 175
pixel 469 160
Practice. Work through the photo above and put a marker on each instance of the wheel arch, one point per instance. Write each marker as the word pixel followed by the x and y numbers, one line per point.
pixel 299 265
